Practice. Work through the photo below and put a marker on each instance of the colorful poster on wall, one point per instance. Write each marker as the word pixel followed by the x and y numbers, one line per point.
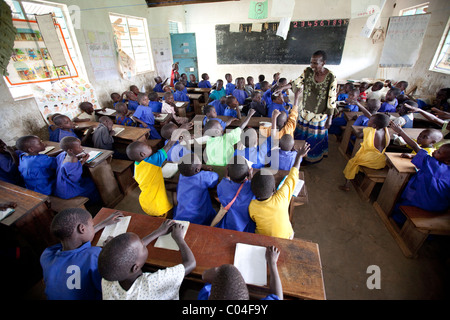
pixel 31 61
pixel 64 96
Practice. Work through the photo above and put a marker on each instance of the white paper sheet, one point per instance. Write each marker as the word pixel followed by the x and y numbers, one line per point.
pixel 166 241
pixel 169 170
pixel 114 230
pixel 118 130
pixel 250 260
pixel 298 187
pixel 51 39
pixel 93 155
pixel 6 213
pixel 283 27
pixel 256 27
pixel 179 104
pixel 234 27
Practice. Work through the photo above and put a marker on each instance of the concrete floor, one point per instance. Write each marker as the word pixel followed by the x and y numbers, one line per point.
pixel 351 237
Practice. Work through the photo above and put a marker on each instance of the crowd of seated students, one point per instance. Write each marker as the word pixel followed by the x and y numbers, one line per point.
pixel 258 205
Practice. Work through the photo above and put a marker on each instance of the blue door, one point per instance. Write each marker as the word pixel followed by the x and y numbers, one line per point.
pixel 184 51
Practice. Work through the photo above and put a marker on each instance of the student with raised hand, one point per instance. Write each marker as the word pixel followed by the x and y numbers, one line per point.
pixel 270 209
pixel 122 258
pixel 70 268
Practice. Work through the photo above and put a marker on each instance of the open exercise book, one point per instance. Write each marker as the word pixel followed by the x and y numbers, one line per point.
pixel 93 155
pixel 166 241
pixel 115 229
pixel 298 186
pixel 250 260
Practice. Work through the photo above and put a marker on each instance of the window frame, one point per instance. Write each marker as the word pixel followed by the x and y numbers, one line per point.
pixel 425 4
pixel 440 50
pixel 147 39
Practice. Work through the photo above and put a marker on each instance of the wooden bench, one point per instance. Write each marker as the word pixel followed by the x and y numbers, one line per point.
pixel 365 183
pixel 123 171
pixel 419 224
pixel 58 204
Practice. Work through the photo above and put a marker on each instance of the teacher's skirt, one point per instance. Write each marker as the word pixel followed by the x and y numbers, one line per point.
pixel 316 135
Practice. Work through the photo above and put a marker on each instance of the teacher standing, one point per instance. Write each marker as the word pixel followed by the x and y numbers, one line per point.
pixel 318 105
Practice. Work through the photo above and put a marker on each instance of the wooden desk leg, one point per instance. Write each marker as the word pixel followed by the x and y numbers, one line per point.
pixel 412 239
pixel 343 147
pixel 197 108
pixel 106 183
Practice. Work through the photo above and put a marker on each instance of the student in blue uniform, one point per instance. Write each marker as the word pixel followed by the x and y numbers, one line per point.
pixel 180 95
pixel 154 103
pixel 249 148
pixel 232 109
pixel 239 93
pixel 429 188
pixel 70 181
pixel 391 103
pixel 261 78
pixel 132 101
pixel 116 98
pixel 339 121
pixel 373 105
pixel 344 93
pixel 194 201
pixel 284 156
pixel 205 81
pixel 9 163
pixel 70 268
pixel 144 116
pixel 277 103
pixel 37 170
pixel 220 105
pixel 177 151
pixel 122 117
pixel 64 128
pixel 211 114
pixel 266 93
pixel 159 84
pixel 237 174
pixel 230 85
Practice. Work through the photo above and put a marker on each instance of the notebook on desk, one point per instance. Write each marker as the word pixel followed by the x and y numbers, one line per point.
pixel 166 241
pixel 250 260
pixel 113 230
pixel 298 186
pixel 47 150
pixel 93 155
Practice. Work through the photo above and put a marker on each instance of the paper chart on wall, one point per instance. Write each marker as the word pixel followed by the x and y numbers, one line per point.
pixel 101 54
pixel 163 57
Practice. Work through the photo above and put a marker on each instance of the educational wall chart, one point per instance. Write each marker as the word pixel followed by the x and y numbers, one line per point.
pixel 162 56
pixel 403 42
pixel 101 55
pixel 64 96
pixel 31 61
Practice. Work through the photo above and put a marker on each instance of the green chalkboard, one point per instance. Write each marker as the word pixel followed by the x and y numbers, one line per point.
pixel 265 47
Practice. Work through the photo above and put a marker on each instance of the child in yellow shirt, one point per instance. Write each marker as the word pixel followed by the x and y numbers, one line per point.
pixel 270 209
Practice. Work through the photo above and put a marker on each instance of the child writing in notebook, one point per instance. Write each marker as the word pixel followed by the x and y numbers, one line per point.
pixel 194 201
pixel 121 261
pixel 429 188
pixel 70 268
pixel 103 134
pixel 270 208
pixel 371 154
pixel 226 282
pixel 37 170
pixel 148 174
pixel 236 186
pixel 220 147
pixel 144 116
pixel 70 181
pixel 122 116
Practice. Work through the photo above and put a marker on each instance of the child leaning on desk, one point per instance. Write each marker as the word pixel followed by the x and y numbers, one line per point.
pixel 70 268
pixel 194 201
pixel 429 188
pixel 148 174
pixel 270 209
pixel 122 258
pixel 226 282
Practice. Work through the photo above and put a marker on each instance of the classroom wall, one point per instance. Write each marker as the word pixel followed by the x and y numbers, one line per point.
pixel 23 117
pixel 428 82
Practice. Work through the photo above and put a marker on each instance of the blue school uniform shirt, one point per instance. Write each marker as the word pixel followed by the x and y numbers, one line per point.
pixel 53 134
pixel 158 87
pixel 180 96
pixel 133 105
pixel 240 95
pixel 205 292
pixel 194 202
pixel 63 133
pixel 222 123
pixel 229 88
pixel 387 107
pixel 176 152
pixel 282 160
pixel 145 114
pixel 342 97
pixel 220 108
pixel 230 112
pixel 8 169
pixel 362 120
pixel 429 188
pixel 275 106
pixel 38 172
pixel 72 274
pixel 237 218
pixel 256 155
pixel 70 182
pixel 204 84
pixel 267 97
pixel 155 106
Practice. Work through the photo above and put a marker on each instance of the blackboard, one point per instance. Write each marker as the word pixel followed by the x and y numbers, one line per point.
pixel 265 47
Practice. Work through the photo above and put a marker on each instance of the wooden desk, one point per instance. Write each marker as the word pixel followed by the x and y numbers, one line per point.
pixel 400 170
pixel 181 108
pixel 299 263
pixel 32 216
pixel 412 132
pixel 102 175
pixel 128 135
pixel 194 99
pixel 254 122
pixel 204 91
